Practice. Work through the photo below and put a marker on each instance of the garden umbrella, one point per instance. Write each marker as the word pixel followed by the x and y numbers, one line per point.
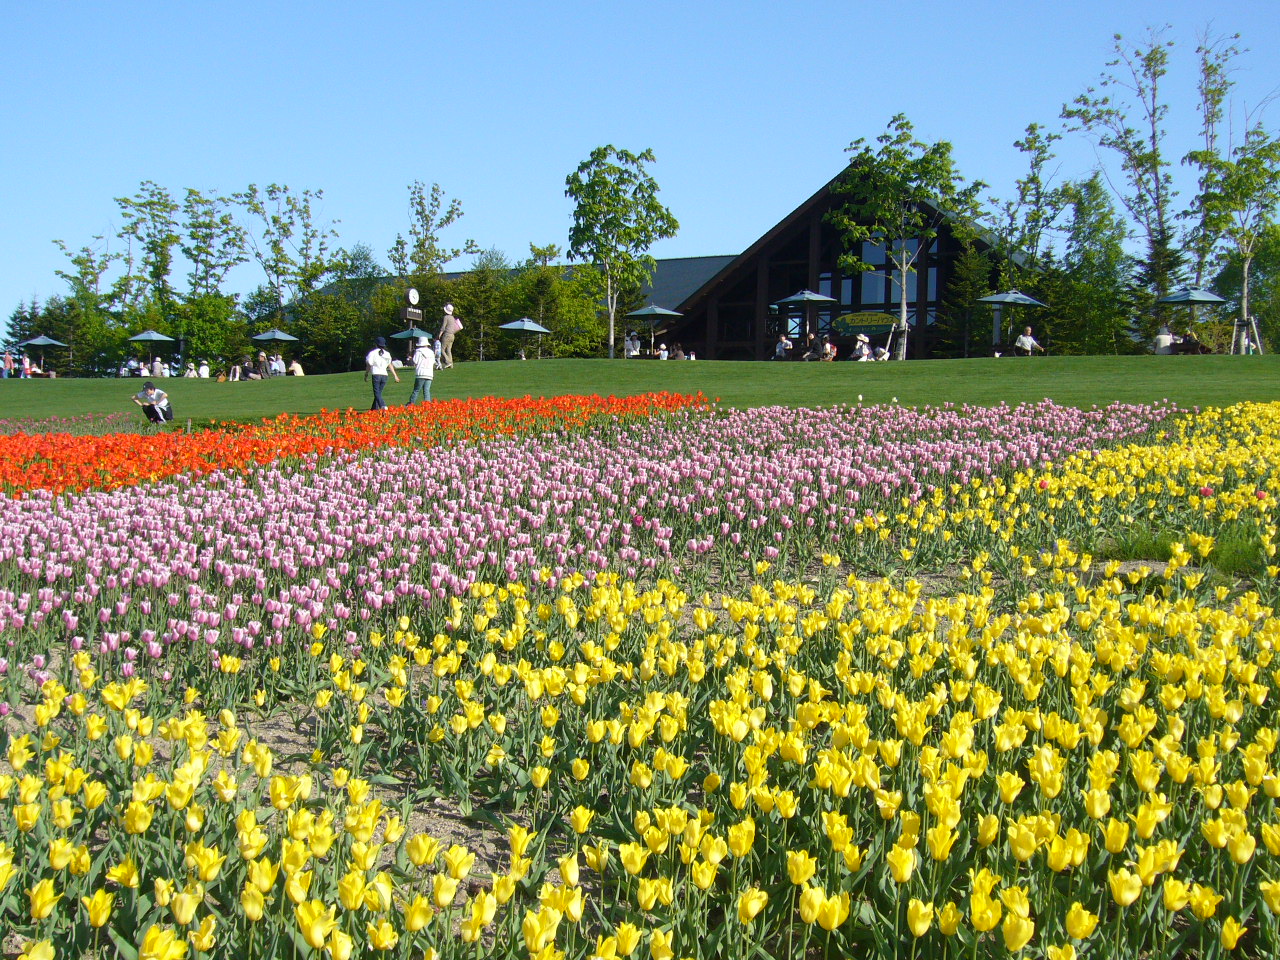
pixel 1012 297
pixel 653 316
pixel 42 341
pixel 525 325
pixel 274 334
pixel 150 336
pixel 410 334
pixel 1191 297
pixel 804 298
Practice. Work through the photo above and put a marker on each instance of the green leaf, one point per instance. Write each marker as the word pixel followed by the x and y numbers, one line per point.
pixel 126 949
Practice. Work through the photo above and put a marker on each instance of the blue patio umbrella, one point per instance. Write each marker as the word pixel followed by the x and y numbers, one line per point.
pixel 525 325
pixel 274 334
pixel 653 317
pixel 999 300
pixel 1192 296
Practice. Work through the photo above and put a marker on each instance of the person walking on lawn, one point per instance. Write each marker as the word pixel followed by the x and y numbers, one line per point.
pixel 377 365
pixel 449 328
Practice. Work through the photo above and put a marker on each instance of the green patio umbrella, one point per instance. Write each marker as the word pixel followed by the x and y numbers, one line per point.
pixel 42 341
pixel 653 316
pixel 149 337
pixel 525 325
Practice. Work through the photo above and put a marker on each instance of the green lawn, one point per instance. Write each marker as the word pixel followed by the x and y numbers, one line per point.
pixel 1080 381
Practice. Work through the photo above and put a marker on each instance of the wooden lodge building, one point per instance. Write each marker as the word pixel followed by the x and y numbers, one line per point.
pixel 729 303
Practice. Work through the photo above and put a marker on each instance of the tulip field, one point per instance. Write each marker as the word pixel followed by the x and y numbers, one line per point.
pixel 644 677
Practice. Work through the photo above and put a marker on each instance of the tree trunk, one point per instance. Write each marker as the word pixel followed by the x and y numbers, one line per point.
pixel 611 303
pixel 1245 264
pixel 900 348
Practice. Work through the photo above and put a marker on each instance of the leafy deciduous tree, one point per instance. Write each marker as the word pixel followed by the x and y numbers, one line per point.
pixel 900 192
pixel 617 217
pixel 422 255
pixel 1135 132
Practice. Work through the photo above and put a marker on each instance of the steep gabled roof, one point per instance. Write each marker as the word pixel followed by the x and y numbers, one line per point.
pixel 821 198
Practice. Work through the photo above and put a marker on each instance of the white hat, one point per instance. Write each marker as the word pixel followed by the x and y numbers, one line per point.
pixel 862 338
pixel 423 341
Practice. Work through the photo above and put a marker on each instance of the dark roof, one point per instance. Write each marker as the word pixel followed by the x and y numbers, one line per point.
pixel 822 197
pixel 677 278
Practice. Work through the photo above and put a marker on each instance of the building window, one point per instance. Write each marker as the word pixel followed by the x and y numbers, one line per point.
pixel 872 288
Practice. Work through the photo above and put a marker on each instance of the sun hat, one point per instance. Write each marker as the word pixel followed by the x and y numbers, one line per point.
pixel 380 342
pixel 423 341
pixel 862 338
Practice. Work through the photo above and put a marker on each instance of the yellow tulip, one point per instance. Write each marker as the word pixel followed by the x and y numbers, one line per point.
pixel 580 819
pixel 1080 922
pixel 949 918
pixel 1232 931
pixel 99 907
pixel 341 946
pixel 315 921
pixel 43 898
pixel 1204 901
pixel 382 936
pixel 42 950
pixel 1125 886
pixel 902 863
pixel 1017 932
pixel 919 917
pixel 252 903
pixel 800 866
pixel 184 905
pixel 202 938
pixel 161 944
pixel 443 890
pixel 750 903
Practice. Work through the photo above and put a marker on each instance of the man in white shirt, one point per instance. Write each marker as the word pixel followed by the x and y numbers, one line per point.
pixel 154 403
pixel 424 370
pixel 203 371
pixel 1026 343
pixel 378 365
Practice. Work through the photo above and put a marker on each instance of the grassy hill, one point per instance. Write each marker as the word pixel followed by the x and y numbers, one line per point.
pixel 1079 381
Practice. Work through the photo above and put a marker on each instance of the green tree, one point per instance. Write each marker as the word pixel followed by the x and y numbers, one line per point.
pixel 214 242
pixel 563 299
pixel 1240 197
pixel 480 296
pixel 1024 224
pixel 421 254
pixel 94 336
pixel 1135 133
pixel 1264 282
pixel 964 325
pixel 1089 292
pixel 1213 85
pixel 617 217
pixel 288 244
pixel 150 222
pixel 900 192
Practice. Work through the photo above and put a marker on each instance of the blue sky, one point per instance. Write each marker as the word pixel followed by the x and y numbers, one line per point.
pixel 748 106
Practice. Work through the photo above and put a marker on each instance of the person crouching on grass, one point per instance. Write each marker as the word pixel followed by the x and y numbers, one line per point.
pixel 154 403
pixel 424 370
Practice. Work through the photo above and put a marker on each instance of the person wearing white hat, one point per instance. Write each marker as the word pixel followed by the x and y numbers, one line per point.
pixel 862 348
pixel 424 370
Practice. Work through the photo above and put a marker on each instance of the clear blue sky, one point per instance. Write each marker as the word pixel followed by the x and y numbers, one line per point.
pixel 749 106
